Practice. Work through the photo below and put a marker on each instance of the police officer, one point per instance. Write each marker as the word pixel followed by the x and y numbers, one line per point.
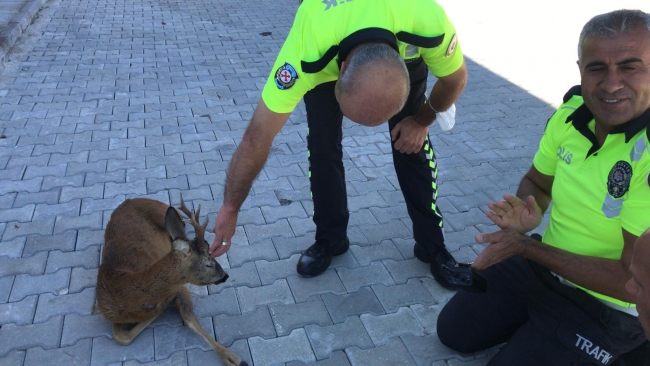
pixel 367 60
pixel 562 300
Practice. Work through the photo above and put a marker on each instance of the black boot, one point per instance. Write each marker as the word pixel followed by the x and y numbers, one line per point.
pixel 436 258
pixel 318 257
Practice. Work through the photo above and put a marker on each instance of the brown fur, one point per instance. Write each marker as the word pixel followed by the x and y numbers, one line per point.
pixel 146 262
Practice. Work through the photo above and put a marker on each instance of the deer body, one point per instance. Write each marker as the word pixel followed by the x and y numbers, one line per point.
pixel 146 261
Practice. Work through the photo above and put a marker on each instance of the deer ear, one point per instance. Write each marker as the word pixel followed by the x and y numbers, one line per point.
pixel 174 224
pixel 182 246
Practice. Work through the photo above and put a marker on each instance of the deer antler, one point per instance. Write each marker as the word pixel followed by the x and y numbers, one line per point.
pixel 194 219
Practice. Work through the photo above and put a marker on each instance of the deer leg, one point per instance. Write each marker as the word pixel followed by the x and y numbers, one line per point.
pixel 124 334
pixel 185 306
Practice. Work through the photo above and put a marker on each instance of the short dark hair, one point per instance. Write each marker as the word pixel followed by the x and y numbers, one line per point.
pixel 610 25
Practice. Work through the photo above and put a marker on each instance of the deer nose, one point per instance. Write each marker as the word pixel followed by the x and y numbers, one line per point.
pixel 222 279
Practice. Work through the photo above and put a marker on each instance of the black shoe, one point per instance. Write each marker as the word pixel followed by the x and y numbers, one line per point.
pixel 318 257
pixel 437 259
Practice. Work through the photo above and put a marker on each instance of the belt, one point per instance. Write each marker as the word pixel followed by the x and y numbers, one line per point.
pixel 631 310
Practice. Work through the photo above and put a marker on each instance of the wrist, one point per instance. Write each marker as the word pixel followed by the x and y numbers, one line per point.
pixel 426 115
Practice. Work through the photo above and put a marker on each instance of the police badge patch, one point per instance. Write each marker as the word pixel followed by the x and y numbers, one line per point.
pixel 452 46
pixel 618 181
pixel 285 76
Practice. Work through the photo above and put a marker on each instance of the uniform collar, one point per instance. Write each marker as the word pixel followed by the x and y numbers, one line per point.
pixel 582 116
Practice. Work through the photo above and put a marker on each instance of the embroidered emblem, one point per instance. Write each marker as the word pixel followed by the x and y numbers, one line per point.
pixel 618 181
pixel 452 46
pixel 285 76
pixel 648 179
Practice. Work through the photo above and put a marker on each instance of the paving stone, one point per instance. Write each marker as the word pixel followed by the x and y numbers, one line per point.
pixel 20 312
pixel 89 205
pixel 355 278
pixel 197 357
pixel 250 298
pixel 255 323
pixel 377 252
pixel 394 297
pixel 88 258
pixel 325 340
pixel 8 200
pixel 70 208
pixel 25 185
pixel 89 221
pixel 257 233
pixel 13 358
pixel 293 316
pixel 273 214
pixel 383 327
pixel 116 176
pixel 294 347
pixel 105 350
pixel 380 232
pixel 253 252
pixel 49 198
pixel 34 265
pixel 338 358
pixel 82 278
pixel 57 182
pixel 16 337
pixel 50 305
pixel 12 248
pixel 86 238
pixel 25 285
pixel 76 355
pixel 403 270
pixel 114 189
pixel 393 353
pixel 304 288
pixel 363 301
pixel 168 340
pixel 6 283
pixel 77 327
pixel 225 302
pixel 176 359
pixel 270 271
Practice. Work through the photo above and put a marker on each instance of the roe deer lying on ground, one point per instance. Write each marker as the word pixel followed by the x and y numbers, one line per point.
pixel 146 262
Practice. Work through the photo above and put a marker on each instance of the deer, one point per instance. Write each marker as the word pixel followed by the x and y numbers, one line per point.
pixel 146 261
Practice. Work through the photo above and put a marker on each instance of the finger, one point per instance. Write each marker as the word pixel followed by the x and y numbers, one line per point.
pixel 480 261
pixel 220 249
pixel 531 203
pixel 512 199
pixel 395 132
pixel 496 209
pixel 497 219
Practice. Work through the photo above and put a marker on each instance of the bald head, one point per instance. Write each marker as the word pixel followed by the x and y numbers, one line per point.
pixel 373 85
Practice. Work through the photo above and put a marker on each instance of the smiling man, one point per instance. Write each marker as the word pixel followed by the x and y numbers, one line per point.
pixel 561 300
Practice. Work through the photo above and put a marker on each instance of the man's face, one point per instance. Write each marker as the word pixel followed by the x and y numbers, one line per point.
pixel 615 75
pixel 639 285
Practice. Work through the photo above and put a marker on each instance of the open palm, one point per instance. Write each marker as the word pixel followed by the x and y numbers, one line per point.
pixel 513 213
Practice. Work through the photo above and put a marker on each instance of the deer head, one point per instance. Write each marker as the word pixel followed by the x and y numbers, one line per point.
pixel 197 264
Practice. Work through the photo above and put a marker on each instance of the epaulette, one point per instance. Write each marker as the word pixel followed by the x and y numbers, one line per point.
pixel 576 90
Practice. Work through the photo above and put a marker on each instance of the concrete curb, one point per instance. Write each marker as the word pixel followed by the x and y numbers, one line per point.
pixel 17 26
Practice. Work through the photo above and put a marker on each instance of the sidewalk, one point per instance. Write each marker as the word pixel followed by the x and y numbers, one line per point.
pixel 109 100
pixel 15 17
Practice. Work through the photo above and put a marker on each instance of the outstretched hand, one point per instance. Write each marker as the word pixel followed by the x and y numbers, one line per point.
pixel 502 244
pixel 513 213
pixel 224 230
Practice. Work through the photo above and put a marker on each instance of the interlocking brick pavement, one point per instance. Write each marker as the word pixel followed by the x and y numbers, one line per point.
pixel 102 101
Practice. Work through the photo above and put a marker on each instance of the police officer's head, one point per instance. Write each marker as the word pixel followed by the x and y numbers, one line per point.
pixel 639 285
pixel 373 84
pixel 614 62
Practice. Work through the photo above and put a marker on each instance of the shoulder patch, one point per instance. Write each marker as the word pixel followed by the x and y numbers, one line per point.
pixel 648 180
pixel 619 178
pixel 452 46
pixel 285 76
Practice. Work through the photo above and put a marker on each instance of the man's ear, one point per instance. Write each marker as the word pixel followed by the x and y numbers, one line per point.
pixel 344 66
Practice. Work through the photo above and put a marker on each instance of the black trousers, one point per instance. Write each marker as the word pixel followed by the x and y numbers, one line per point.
pixel 544 322
pixel 416 173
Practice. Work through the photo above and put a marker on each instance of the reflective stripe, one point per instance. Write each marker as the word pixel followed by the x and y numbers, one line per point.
pixel 612 207
pixel 638 149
